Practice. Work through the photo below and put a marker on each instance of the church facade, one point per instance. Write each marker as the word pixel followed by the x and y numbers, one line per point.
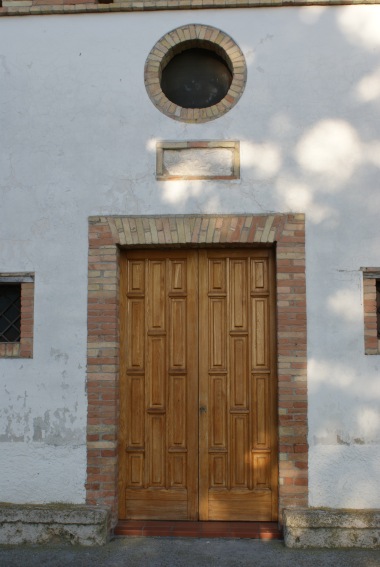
pixel 189 258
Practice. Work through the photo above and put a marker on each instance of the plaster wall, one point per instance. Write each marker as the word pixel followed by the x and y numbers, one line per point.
pixel 77 138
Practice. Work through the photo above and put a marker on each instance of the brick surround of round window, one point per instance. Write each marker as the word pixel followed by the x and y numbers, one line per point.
pixel 189 37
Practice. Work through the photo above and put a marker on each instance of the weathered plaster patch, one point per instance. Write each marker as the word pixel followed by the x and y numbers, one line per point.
pixel 15 421
pixel 10 434
pixel 343 438
pixel 55 430
pixel 58 355
pixel 341 441
pixel 40 426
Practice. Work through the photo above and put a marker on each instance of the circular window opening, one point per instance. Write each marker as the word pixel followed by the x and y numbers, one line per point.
pixel 196 78
pixel 195 73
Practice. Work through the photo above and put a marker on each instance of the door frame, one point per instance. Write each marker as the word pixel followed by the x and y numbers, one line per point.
pixel 107 235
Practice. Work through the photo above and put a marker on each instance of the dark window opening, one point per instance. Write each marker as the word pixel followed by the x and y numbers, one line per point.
pixel 10 313
pixel 196 78
pixel 378 307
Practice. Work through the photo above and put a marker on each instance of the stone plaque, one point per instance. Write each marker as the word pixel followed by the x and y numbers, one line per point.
pixel 198 160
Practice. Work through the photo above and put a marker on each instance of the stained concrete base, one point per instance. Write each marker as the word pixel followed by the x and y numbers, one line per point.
pixel 53 523
pixel 331 528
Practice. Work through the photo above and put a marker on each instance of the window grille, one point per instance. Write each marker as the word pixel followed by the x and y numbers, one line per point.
pixel 10 313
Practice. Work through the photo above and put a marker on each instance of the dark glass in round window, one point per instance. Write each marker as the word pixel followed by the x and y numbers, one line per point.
pixel 196 78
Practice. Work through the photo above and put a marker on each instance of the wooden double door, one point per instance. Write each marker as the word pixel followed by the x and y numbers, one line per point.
pixel 197 386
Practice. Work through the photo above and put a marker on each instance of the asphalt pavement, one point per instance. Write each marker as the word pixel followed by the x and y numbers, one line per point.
pixel 185 552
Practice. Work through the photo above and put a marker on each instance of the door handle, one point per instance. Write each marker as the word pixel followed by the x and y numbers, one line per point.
pixel 203 409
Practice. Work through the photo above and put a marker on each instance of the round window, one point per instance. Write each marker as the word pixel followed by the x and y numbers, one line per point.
pixel 196 78
pixel 195 73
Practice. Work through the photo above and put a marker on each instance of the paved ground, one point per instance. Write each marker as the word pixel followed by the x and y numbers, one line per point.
pixel 185 552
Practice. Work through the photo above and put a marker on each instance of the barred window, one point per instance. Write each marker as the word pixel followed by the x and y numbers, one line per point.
pixel 16 315
pixel 10 313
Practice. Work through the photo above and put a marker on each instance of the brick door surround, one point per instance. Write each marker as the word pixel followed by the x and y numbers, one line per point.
pixel 109 234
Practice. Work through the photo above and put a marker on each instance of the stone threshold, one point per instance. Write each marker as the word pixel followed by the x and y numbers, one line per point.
pixel 249 530
pixel 331 528
pixel 54 523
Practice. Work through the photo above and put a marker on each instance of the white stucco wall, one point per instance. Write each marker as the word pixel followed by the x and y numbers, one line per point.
pixel 77 138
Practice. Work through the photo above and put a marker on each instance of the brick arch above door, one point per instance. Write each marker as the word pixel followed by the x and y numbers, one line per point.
pixel 107 235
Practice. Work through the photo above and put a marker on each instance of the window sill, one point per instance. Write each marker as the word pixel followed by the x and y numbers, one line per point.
pixel 15 350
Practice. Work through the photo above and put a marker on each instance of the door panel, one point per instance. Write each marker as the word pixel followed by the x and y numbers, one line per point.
pixel 159 386
pixel 198 356
pixel 238 452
